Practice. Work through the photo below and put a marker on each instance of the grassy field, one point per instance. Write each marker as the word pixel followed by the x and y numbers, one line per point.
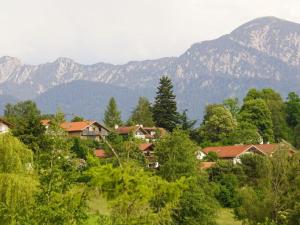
pixel 226 217
pixel 97 205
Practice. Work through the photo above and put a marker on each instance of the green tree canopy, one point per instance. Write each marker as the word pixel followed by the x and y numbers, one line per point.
pixel 165 108
pixel 293 109
pixel 232 104
pixel 176 156
pixel 185 123
pixel 142 114
pixel 112 115
pixel 256 112
pixel 26 118
pixel 17 184
pixel 218 124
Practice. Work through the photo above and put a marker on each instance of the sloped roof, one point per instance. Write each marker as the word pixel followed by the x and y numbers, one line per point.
pixel 75 126
pixel 130 129
pixel 45 122
pixel 227 151
pixel 207 165
pixel 5 122
pixel 145 146
pixel 100 153
pixel 160 129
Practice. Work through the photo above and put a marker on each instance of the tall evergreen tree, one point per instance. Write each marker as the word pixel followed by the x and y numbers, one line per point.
pixel 142 114
pixel 112 115
pixel 185 123
pixel 165 108
pixel 293 109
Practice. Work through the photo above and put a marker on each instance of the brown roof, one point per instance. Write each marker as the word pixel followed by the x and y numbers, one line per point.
pixel 5 122
pixel 146 146
pixel 131 129
pixel 76 126
pixel 268 149
pixel 207 165
pixel 100 153
pixel 160 129
pixel 227 151
pixel 45 122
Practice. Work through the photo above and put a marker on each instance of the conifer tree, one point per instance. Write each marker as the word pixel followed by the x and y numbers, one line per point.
pixel 112 115
pixel 142 114
pixel 165 108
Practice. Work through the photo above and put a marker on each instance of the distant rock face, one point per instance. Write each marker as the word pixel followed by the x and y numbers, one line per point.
pixel 264 52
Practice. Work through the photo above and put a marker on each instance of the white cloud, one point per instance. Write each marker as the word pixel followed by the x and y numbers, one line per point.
pixel 118 31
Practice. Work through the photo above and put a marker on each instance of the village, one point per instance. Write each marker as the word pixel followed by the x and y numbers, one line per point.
pixel 148 136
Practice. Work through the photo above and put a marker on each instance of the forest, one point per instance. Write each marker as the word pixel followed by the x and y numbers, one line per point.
pixel 48 177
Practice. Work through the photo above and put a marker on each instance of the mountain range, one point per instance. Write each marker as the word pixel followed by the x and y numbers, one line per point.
pixel 264 52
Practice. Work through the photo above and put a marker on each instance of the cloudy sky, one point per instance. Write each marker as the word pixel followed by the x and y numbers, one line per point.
pixel 118 31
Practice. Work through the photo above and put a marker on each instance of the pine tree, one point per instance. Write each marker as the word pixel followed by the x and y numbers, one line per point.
pixel 112 115
pixel 185 123
pixel 165 109
pixel 142 114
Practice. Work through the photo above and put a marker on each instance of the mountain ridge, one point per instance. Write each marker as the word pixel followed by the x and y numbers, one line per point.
pixel 264 51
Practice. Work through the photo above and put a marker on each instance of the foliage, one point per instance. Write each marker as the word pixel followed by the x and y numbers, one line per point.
pixel 112 115
pixel 165 108
pixel 196 206
pixel 176 156
pixel 246 133
pixel 58 175
pixel 232 104
pixel 256 112
pixel 26 117
pixel 185 123
pixel 218 124
pixel 17 182
pixel 135 196
pixel 211 157
pixel 77 119
pixel 142 114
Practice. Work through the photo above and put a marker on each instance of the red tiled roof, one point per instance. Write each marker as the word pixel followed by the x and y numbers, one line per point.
pixel 268 149
pixel 76 126
pixel 227 151
pixel 45 122
pixel 100 153
pixel 145 146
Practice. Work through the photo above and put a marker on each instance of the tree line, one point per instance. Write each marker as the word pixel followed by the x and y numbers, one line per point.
pixel 47 177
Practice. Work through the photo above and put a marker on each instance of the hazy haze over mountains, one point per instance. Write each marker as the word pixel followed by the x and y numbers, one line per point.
pixel 264 52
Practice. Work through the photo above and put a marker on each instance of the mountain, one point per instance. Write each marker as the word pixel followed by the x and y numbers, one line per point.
pixel 264 52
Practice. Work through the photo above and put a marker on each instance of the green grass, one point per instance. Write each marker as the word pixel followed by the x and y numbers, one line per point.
pixel 97 205
pixel 226 217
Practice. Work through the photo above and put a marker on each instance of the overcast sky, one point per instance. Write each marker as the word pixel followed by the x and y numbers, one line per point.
pixel 118 31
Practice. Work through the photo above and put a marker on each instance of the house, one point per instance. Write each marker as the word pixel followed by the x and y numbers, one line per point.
pixel 100 153
pixel 235 152
pixel 84 129
pixel 4 126
pixel 136 131
pixel 206 165
pixel 155 132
